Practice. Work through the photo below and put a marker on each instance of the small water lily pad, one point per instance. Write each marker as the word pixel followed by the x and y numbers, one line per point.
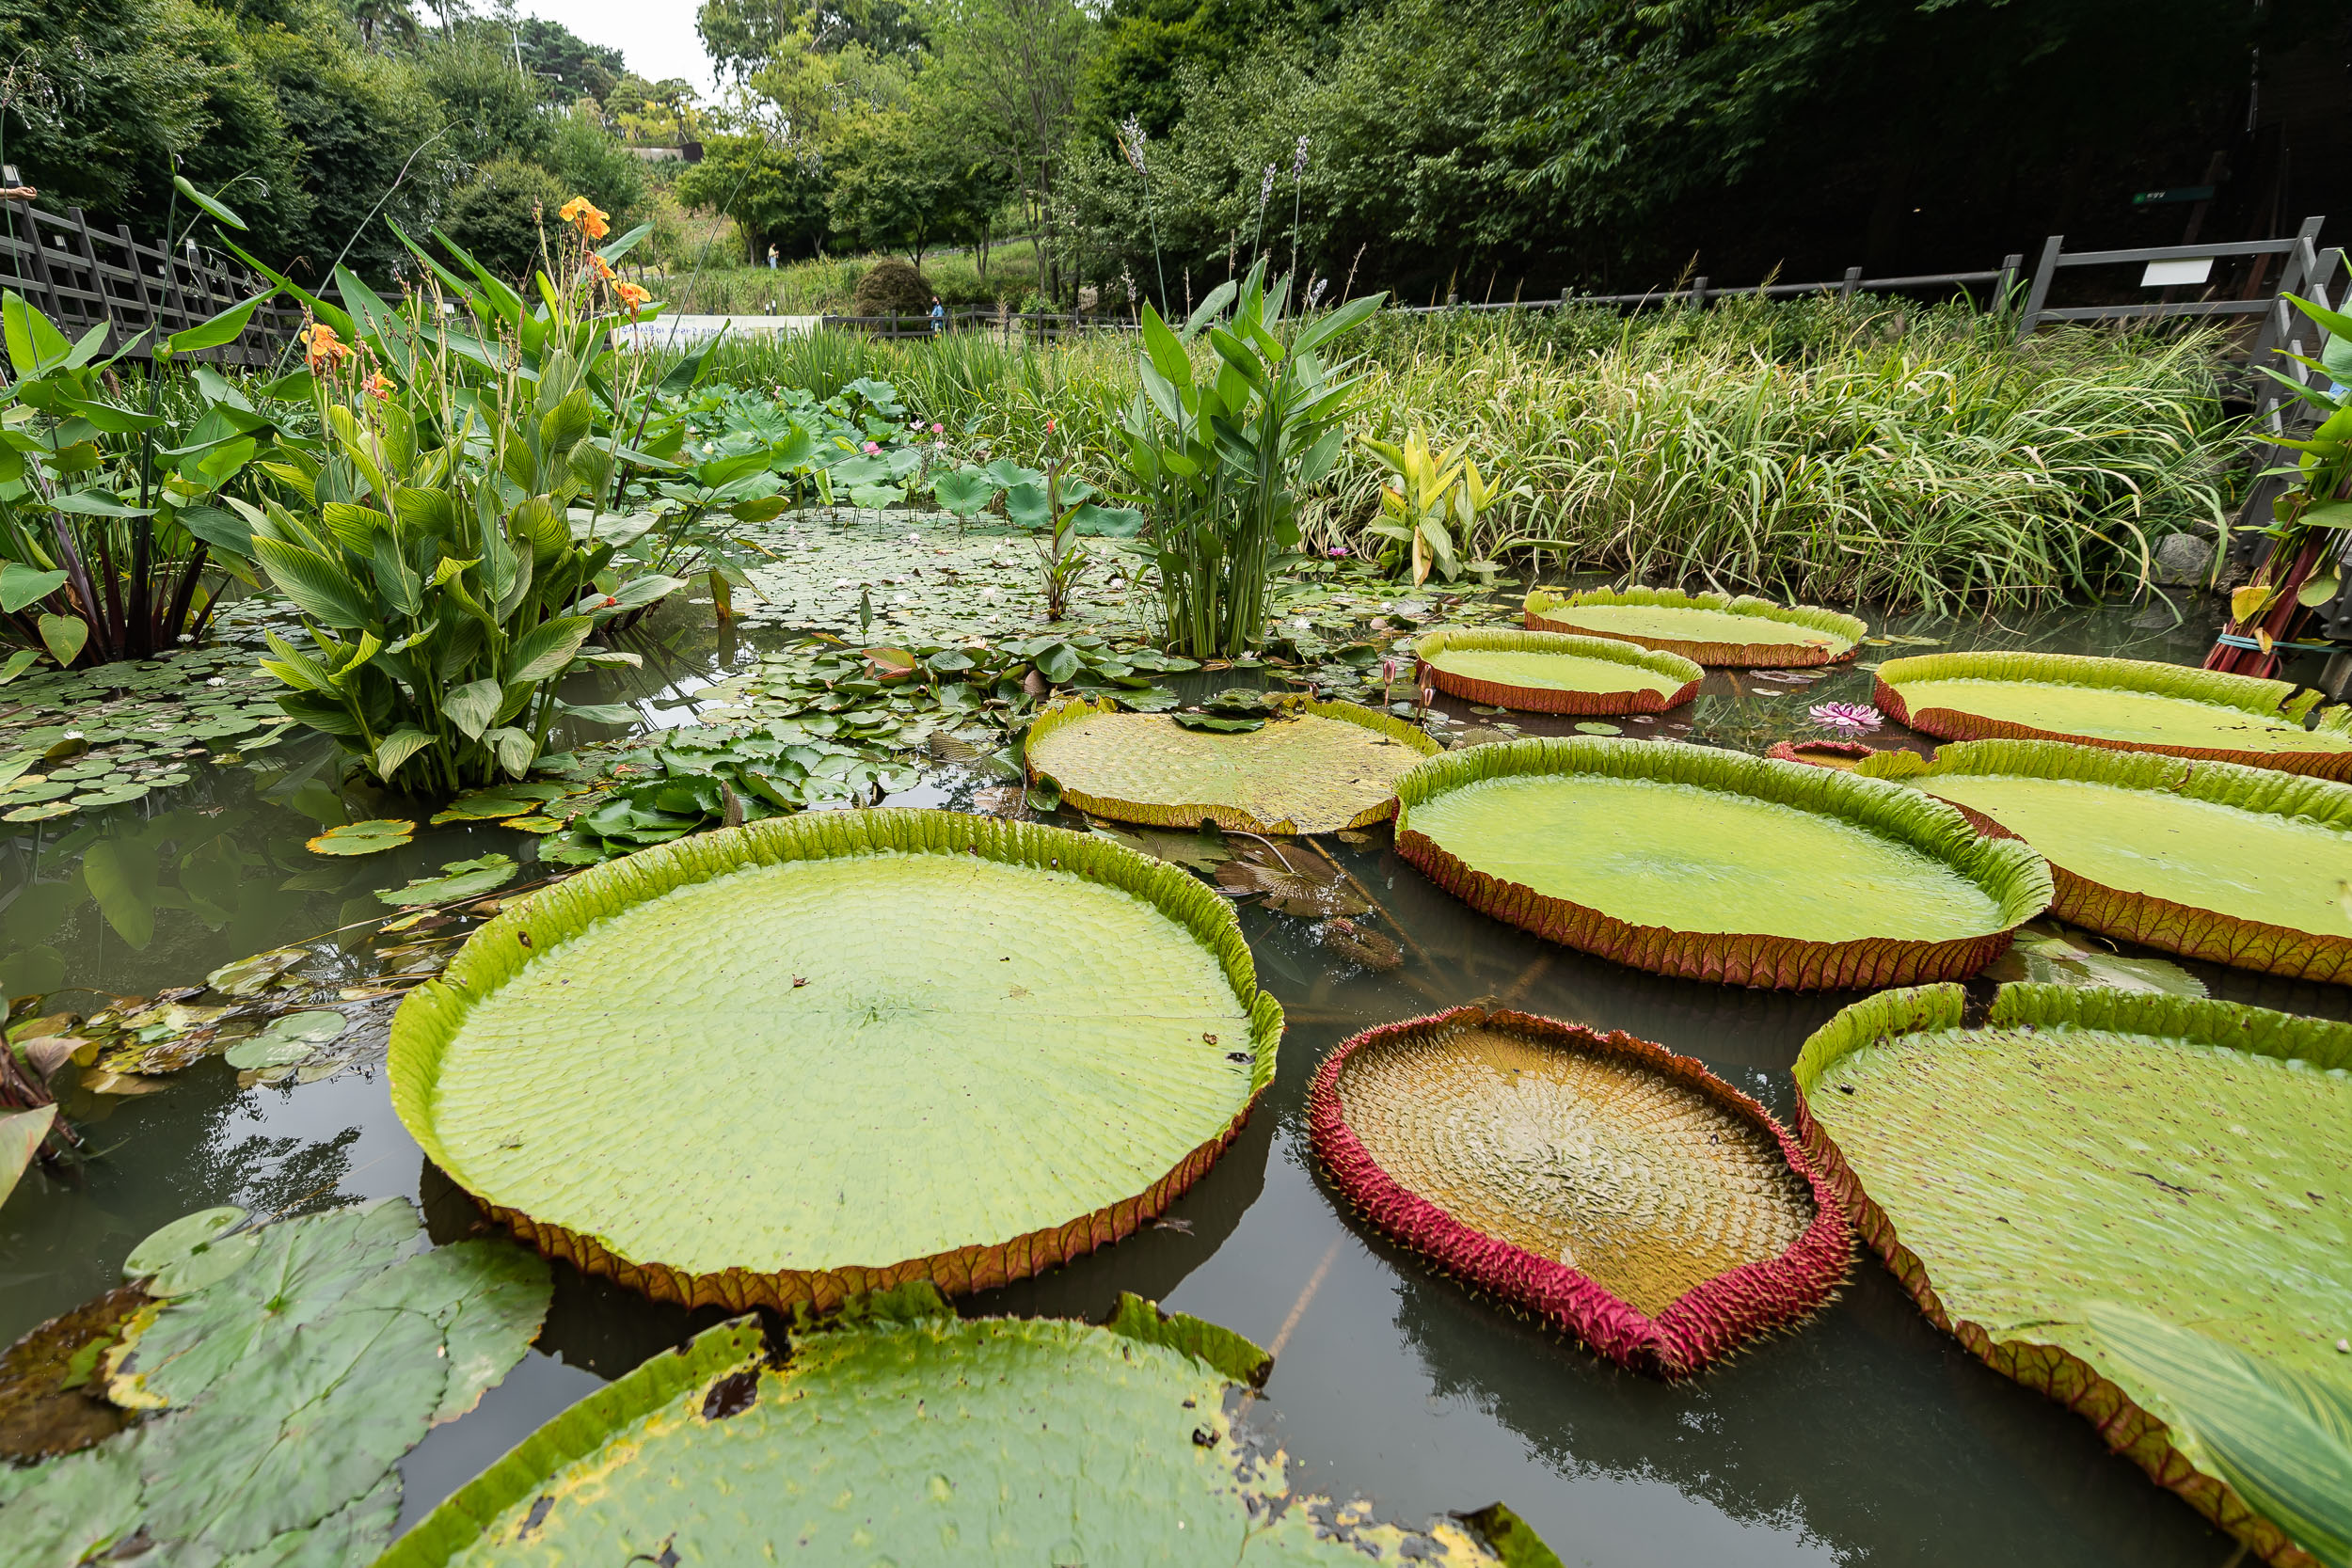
pixel 119 795
pixel 1593 726
pixel 499 802
pixel 253 976
pixel 39 814
pixel 192 1252
pixel 459 879
pixel 363 838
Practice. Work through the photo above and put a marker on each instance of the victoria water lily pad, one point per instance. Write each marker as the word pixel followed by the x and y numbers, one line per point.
pixel 2181 1158
pixel 1689 861
pixel 363 838
pixel 1710 628
pixel 2123 705
pixel 261 1415
pixel 1311 768
pixel 1620 1191
pixel 1542 672
pixel 989 1047
pixel 996 1440
pixel 2243 865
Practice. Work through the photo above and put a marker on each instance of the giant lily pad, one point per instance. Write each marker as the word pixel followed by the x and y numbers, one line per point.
pixel 1707 864
pixel 1709 629
pixel 2087 1149
pixel 2125 705
pixel 1312 767
pixel 909 1436
pixel 1543 672
pixel 1619 1192
pixel 252 1402
pixel 2242 865
pixel 839 1051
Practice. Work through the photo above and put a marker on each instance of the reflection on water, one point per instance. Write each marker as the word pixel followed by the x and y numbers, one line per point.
pixel 1867 1437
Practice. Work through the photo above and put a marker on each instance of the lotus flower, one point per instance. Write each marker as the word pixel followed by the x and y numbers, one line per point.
pixel 1847 717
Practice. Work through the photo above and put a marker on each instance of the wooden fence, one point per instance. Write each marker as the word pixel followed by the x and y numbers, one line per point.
pixel 79 275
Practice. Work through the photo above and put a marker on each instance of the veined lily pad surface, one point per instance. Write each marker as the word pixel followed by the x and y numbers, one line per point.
pixel 1694 861
pixel 907 1436
pixel 2120 704
pixel 830 1053
pixel 2185 1159
pixel 1541 671
pixel 2242 865
pixel 1622 1193
pixel 1712 629
pixel 1313 767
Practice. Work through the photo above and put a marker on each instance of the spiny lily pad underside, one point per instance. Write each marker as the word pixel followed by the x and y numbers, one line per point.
pixel 1313 767
pixel 2241 866
pixel 1696 861
pixel 2120 704
pixel 2181 1157
pixel 1620 1191
pixel 1710 628
pixel 830 1053
pixel 1541 671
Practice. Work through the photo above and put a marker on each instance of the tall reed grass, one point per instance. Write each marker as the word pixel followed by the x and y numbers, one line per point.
pixel 826 285
pixel 1825 450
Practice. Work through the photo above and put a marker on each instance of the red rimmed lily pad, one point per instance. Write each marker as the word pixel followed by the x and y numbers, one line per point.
pixel 1620 1191
pixel 1544 672
pixel 1716 630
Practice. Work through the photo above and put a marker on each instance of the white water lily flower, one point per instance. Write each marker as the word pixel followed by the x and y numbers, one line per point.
pixel 217 680
pixel 988 595
pixel 843 583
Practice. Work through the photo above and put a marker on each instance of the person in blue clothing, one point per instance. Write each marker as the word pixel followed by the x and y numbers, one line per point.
pixel 939 316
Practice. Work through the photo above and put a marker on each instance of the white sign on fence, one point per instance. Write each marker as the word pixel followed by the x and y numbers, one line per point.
pixel 2195 270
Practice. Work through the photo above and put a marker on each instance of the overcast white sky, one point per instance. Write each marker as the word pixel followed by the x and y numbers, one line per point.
pixel 658 36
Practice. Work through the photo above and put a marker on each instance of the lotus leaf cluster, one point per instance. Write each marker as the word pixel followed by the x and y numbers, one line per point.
pixel 1693 861
pixel 2086 1160
pixel 1707 628
pixel 1540 672
pixel 2122 705
pixel 965 1102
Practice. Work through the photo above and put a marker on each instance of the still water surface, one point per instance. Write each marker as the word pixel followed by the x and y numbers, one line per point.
pixel 1865 1438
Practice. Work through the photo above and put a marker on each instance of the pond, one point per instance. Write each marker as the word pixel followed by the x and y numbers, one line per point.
pixel 1866 1436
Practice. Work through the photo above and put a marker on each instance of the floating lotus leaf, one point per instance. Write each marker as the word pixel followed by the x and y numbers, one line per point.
pixel 1719 866
pixel 459 879
pixel 2186 1159
pixel 1712 629
pixel 1619 1192
pixel 2125 705
pixel 2243 865
pixel 1544 672
pixel 260 1416
pixel 363 838
pixel 838 1050
pixel 997 1440
pixel 1313 767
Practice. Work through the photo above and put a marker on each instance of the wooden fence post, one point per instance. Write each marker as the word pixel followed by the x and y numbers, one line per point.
pixel 2040 293
pixel 2011 263
pixel 1698 292
pixel 1845 289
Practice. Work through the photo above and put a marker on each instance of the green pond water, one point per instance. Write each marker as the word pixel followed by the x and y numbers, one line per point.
pixel 1552 672
pixel 1866 1437
pixel 2112 715
pixel 2256 866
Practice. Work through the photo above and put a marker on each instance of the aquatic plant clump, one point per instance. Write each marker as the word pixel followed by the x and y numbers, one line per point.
pixel 1717 866
pixel 2245 866
pixel 2123 705
pixel 1621 1193
pixel 1844 755
pixel 1745 633
pixel 960 1442
pixel 1309 767
pixel 989 1047
pixel 1539 672
pixel 2086 1160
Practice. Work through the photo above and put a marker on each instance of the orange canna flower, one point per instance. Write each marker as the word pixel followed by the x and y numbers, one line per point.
pixel 582 213
pixel 322 349
pixel 631 296
pixel 603 268
pixel 380 387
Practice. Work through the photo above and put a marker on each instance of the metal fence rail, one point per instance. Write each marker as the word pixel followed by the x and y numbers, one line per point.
pixel 79 276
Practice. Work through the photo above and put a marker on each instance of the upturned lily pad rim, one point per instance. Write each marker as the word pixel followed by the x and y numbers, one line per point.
pixel 2007 869
pixel 1542 607
pixel 431 1017
pixel 576 1432
pixel 2256 697
pixel 1542 699
pixel 1077 710
pixel 1699 1327
pixel 2127 1428
pixel 2144 917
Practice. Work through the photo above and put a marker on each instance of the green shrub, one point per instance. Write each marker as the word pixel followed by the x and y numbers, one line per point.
pixel 499 215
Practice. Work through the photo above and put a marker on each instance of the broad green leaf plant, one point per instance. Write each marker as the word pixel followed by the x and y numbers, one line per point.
pixel 1216 460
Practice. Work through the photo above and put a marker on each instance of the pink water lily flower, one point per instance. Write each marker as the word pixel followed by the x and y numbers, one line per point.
pixel 1847 717
pixel 872 447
